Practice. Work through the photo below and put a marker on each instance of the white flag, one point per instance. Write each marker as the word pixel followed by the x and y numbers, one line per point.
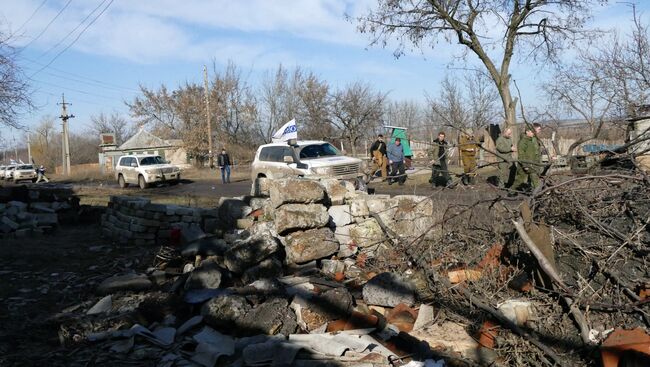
pixel 286 132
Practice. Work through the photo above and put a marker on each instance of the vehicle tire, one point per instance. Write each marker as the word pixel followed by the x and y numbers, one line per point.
pixel 142 183
pixel 177 180
pixel 33 180
pixel 121 182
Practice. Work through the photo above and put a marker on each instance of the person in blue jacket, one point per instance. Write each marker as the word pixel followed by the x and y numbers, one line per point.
pixel 395 154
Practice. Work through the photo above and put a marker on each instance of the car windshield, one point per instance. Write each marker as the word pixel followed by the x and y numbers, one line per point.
pixel 10 168
pixel 27 166
pixel 147 161
pixel 318 151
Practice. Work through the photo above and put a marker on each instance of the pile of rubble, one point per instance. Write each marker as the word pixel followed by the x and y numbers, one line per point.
pixel 33 211
pixel 309 272
pixel 293 285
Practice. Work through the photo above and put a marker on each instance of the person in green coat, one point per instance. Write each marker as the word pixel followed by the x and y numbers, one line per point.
pixel 529 159
pixel 505 148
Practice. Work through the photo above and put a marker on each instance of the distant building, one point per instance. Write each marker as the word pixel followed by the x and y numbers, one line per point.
pixel 143 142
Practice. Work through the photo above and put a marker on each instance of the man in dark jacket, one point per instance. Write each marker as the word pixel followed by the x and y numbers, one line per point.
pixel 438 157
pixel 378 155
pixel 223 161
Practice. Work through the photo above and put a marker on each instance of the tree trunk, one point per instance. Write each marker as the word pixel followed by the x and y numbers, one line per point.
pixel 509 105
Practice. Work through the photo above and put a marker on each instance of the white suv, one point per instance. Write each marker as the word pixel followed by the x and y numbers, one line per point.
pixel 145 170
pixel 24 172
pixel 309 158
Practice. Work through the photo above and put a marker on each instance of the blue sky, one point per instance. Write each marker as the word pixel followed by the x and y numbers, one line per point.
pixel 151 42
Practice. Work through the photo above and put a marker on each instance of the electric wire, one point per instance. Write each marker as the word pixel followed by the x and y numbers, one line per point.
pixel 30 17
pixel 48 25
pixel 75 40
pixel 73 30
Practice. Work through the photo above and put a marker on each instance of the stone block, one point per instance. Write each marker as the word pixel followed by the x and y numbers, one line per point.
pixel 296 191
pixel 335 190
pixel 367 233
pixel 291 217
pixel 314 244
pixel 340 215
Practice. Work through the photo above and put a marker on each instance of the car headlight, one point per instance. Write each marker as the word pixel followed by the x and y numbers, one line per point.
pixel 150 171
pixel 322 170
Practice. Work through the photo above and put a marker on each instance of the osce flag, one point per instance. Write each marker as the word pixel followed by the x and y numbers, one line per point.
pixel 286 132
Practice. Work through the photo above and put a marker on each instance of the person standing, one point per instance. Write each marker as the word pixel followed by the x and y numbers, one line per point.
pixel 223 161
pixel 378 155
pixel 40 174
pixel 528 166
pixel 505 148
pixel 468 151
pixel 395 154
pixel 438 156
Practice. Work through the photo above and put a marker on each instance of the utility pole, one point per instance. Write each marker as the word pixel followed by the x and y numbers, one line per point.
pixel 15 149
pixel 207 115
pixel 66 137
pixel 29 149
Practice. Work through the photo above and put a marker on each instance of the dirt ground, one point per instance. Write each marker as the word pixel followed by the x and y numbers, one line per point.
pixel 40 277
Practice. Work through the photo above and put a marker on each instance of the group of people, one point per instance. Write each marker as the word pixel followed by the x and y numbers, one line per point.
pixel 518 174
pixel 391 156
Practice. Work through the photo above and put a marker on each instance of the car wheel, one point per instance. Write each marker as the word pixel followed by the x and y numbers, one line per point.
pixel 121 182
pixel 177 180
pixel 142 183
pixel 33 180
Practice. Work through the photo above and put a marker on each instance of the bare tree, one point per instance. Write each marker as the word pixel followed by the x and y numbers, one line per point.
pixel 14 90
pixel 234 106
pixel 403 113
pixel 541 27
pixel 156 108
pixel 624 60
pixel 46 143
pixel 315 108
pixel 579 88
pixel 113 123
pixel 356 109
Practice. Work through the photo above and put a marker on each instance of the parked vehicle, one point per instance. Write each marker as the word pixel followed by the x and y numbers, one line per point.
pixel 24 172
pixel 309 158
pixel 2 172
pixel 9 172
pixel 145 170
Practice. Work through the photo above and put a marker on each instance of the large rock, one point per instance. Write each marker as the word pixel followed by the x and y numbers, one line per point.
pixel 127 282
pixel 270 318
pixel 388 289
pixel 367 233
pixel 302 247
pixel 411 207
pixel 292 191
pixel 231 209
pixel 268 269
pixel 292 217
pixel 340 215
pixel 206 276
pixel 335 190
pixel 250 251
pixel 225 311
pixel 208 246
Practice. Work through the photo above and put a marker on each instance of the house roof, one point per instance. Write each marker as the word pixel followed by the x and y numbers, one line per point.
pixel 144 139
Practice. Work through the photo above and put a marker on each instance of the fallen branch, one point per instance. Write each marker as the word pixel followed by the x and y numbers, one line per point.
pixel 477 301
pixel 550 271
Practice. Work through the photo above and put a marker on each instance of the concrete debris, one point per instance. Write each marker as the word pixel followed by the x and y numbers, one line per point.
pixel 102 306
pixel 292 191
pixel 225 312
pixel 127 282
pixel 291 217
pixel 206 276
pixel 388 289
pixel 302 247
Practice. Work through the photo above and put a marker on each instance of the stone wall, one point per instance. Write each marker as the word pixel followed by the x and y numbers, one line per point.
pixel 134 220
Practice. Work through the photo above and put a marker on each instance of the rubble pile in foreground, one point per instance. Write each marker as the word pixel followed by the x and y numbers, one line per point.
pixel 314 273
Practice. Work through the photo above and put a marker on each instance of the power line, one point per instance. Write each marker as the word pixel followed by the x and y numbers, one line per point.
pixel 48 24
pixel 30 17
pixel 75 40
pixel 72 89
pixel 99 82
pixel 74 30
pixel 91 84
